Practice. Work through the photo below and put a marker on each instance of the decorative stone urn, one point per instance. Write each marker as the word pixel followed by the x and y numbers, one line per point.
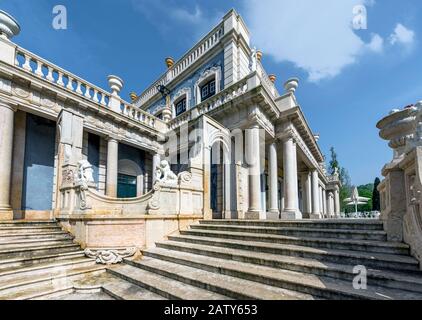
pixel 291 85
pixel 9 27
pixel 116 84
pixel 259 55
pixel 398 128
pixel 169 62
pixel 272 78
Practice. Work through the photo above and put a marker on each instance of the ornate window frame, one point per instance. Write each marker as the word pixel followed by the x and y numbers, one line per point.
pixel 180 94
pixel 207 75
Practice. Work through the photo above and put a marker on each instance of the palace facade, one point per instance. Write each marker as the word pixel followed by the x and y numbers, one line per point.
pixel 211 138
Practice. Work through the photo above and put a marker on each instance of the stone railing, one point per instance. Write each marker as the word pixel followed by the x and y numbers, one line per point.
pixel 193 55
pixel 62 78
pixel 266 82
pixel 43 69
pixel 212 103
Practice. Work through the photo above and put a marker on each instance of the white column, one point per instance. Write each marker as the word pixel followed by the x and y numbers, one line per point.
pixel 291 200
pixel 315 195
pixel 156 159
pixel 112 167
pixel 273 180
pixel 324 202
pixel 7 113
pixel 307 194
pixel 337 203
pixel 227 188
pixel 253 160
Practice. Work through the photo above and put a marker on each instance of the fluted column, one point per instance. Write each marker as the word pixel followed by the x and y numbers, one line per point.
pixel 253 160
pixel 7 113
pixel 291 199
pixel 273 180
pixel 112 167
pixel 315 195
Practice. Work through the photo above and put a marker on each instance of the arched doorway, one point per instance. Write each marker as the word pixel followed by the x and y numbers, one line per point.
pixel 130 179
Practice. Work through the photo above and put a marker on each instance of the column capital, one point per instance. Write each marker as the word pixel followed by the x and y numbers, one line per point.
pixel 111 138
pixel 8 106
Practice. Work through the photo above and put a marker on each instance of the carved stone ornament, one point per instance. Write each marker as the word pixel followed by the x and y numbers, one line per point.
pixel 185 177
pixel 164 173
pixel 83 180
pixel 110 256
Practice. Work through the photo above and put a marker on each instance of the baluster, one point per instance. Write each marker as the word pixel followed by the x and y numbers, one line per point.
pixel 95 96
pixel 70 83
pixel 50 74
pixel 39 72
pixel 87 93
pixel 60 79
pixel 27 65
pixel 78 87
pixel 103 100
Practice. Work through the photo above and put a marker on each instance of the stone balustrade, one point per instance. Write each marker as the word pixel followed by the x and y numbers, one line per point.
pixel 62 78
pixel 41 68
pixel 193 55
pixel 266 82
pixel 212 103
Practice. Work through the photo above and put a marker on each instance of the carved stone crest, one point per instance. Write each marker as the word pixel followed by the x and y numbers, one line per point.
pixel 110 256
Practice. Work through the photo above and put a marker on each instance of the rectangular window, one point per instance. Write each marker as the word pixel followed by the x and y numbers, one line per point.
pixel 208 90
pixel 180 107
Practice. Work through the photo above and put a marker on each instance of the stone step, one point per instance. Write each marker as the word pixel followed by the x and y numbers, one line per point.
pixel 121 289
pixel 394 280
pixel 11 264
pixel 41 235
pixel 28 230
pixel 35 251
pixel 24 223
pixel 370 260
pixel 168 288
pixel 34 242
pixel 299 232
pixel 42 268
pixel 229 286
pixel 297 281
pixel 28 288
pixel 349 224
pixel 330 243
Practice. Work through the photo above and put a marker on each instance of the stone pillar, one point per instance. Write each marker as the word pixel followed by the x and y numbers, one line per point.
pixel 291 200
pixel 227 189
pixel 253 160
pixel 273 181
pixel 324 202
pixel 307 194
pixel 7 113
pixel 337 203
pixel 315 196
pixel 156 159
pixel 112 167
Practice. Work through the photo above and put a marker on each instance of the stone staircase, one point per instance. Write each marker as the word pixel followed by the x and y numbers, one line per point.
pixel 221 259
pixel 39 258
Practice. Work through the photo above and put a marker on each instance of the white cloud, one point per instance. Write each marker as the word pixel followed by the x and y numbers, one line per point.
pixel 402 35
pixel 315 35
pixel 376 44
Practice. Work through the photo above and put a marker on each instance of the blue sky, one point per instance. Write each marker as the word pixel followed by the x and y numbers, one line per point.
pixel 349 78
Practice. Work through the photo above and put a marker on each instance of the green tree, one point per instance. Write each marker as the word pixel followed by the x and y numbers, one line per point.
pixel 376 204
pixel 346 188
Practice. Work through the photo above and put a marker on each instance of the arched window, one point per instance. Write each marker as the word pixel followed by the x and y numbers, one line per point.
pixel 208 84
pixel 181 101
